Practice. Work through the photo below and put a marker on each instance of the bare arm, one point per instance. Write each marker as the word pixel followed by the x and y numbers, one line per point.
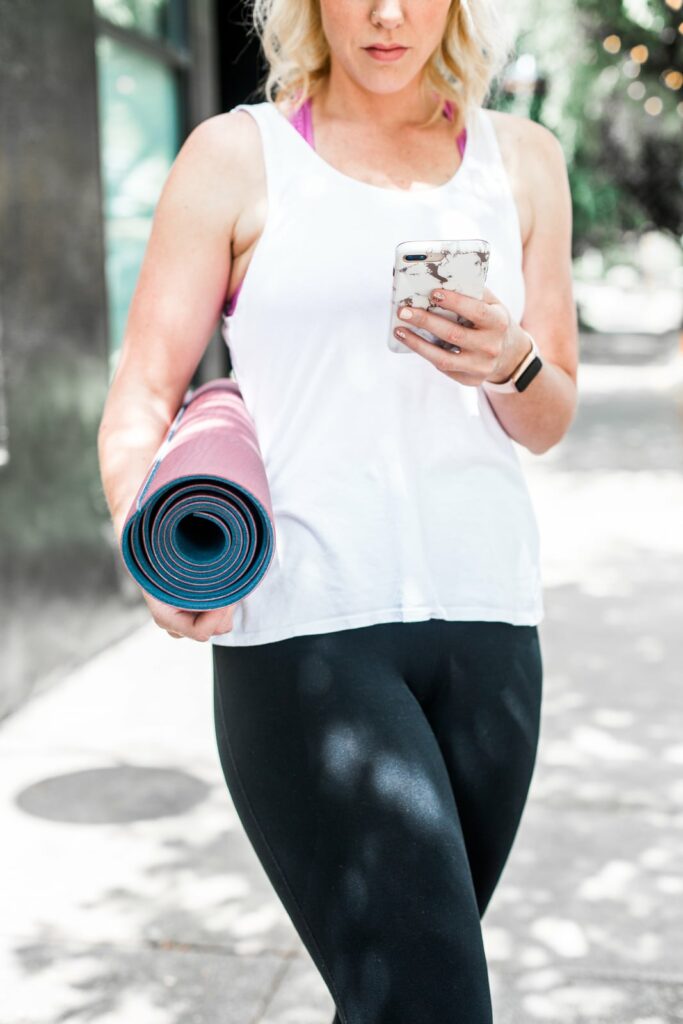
pixel 177 301
pixel 178 297
pixel 540 416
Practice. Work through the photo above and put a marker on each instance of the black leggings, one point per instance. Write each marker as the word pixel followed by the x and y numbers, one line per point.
pixel 380 774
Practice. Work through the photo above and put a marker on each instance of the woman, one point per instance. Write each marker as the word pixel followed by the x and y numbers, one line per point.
pixel 377 697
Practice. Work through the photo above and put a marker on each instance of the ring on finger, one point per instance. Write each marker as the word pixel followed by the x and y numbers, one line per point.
pixel 447 345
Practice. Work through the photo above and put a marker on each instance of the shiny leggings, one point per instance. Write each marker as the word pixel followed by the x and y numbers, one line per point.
pixel 380 774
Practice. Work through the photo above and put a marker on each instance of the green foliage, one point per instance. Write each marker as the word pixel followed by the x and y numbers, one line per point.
pixel 620 124
pixel 627 161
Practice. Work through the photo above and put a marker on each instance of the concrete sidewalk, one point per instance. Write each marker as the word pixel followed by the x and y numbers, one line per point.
pixel 131 895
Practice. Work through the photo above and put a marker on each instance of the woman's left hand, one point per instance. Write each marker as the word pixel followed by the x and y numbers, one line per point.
pixel 490 350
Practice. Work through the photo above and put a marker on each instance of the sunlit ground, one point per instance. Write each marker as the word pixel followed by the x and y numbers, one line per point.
pixel 130 892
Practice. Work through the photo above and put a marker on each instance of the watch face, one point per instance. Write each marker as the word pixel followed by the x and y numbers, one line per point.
pixel 525 378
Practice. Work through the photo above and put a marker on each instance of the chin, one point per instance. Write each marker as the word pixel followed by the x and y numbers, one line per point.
pixel 384 84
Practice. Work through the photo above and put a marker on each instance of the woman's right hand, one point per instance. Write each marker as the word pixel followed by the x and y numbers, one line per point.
pixel 178 623
pixel 193 625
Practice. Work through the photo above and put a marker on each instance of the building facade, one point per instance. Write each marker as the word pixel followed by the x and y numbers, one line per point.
pixel 96 98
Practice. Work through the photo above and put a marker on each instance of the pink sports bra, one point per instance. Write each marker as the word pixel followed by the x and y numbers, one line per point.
pixel 303 122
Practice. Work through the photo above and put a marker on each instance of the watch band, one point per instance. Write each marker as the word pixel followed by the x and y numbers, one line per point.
pixel 522 375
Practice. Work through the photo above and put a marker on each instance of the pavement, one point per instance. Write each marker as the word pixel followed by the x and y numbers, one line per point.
pixel 132 896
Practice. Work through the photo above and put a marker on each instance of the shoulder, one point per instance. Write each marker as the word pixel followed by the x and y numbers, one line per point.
pixel 522 130
pixel 227 138
pixel 535 161
pixel 220 155
pixel 530 147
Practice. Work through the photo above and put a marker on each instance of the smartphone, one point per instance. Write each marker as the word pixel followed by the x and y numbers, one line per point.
pixel 422 266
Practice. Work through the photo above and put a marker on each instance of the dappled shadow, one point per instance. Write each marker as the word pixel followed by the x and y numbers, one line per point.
pixel 584 925
pixel 167 916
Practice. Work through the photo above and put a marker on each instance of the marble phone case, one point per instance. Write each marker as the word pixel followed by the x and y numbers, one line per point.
pixel 460 264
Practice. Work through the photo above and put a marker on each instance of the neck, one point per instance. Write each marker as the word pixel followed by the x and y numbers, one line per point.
pixel 342 99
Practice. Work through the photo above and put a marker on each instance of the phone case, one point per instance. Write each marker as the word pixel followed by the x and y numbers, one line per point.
pixel 422 266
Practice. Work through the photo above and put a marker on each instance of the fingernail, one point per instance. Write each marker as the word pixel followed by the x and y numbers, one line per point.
pixel 406 313
pixel 437 296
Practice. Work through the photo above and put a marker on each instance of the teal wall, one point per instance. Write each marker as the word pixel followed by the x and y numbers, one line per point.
pixel 62 591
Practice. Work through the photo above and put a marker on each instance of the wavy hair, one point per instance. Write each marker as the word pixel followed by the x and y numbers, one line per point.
pixel 476 45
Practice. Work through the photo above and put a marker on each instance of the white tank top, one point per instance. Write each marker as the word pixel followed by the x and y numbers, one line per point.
pixel 396 493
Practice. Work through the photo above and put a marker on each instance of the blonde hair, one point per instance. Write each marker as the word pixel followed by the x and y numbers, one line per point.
pixel 475 47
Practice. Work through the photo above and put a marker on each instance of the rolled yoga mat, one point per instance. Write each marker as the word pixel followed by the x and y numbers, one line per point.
pixel 200 532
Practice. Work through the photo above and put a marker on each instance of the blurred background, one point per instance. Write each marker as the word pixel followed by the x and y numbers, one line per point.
pixel 96 97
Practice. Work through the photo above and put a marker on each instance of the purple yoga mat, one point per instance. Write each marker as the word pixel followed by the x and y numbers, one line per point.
pixel 200 532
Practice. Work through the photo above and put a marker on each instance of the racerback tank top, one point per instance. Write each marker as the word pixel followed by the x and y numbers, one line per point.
pixel 396 493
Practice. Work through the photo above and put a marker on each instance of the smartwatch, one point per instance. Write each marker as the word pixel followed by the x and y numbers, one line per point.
pixel 522 375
